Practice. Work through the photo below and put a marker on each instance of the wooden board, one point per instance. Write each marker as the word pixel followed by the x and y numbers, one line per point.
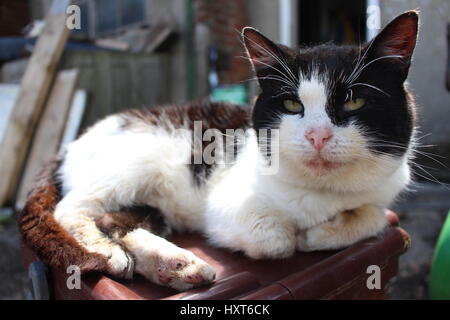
pixel 305 276
pixel 34 89
pixel 8 95
pixel 49 132
pixel 75 117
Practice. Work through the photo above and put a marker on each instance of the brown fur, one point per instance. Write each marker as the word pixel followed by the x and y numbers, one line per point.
pixel 217 115
pixel 45 237
pixel 118 224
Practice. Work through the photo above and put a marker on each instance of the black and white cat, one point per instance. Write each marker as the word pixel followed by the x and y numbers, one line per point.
pixel 345 124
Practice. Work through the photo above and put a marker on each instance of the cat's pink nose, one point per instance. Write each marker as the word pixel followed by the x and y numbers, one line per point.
pixel 319 136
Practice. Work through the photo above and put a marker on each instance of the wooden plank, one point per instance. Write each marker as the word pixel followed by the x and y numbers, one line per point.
pixel 113 44
pixel 73 123
pixel 47 138
pixel 8 95
pixel 34 89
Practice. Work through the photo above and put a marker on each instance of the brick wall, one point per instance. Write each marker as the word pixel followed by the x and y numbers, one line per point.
pixel 225 19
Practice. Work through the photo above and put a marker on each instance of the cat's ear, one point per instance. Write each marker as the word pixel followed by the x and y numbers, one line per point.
pixel 261 51
pixel 398 38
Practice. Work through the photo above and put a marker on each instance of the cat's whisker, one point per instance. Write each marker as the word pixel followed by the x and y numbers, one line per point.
pixel 282 80
pixel 430 156
pixel 368 85
pixel 273 68
pixel 424 136
pixel 350 77
pixel 285 90
pixel 425 154
pixel 406 147
pixel 389 145
pixel 368 133
pixel 412 146
pixel 277 78
pixel 432 179
pixel 358 73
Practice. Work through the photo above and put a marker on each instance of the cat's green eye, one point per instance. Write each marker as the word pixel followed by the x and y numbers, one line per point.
pixel 355 104
pixel 293 106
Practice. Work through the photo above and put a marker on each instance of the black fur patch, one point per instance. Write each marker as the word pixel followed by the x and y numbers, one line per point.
pixel 388 116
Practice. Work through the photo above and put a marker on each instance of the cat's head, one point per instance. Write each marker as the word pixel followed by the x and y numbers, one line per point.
pixel 340 110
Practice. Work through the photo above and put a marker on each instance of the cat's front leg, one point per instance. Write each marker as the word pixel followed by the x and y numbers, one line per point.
pixel 257 231
pixel 79 221
pixel 345 229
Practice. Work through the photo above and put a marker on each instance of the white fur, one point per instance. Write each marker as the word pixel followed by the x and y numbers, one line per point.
pixel 112 168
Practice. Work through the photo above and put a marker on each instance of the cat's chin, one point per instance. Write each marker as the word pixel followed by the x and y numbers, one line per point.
pixel 321 167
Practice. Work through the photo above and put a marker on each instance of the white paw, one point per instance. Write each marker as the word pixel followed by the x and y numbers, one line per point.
pixel 177 268
pixel 277 244
pixel 346 229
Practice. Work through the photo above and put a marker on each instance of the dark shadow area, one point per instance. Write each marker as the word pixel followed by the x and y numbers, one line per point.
pixel 342 21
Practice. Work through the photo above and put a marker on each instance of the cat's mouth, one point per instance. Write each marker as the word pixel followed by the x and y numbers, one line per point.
pixel 320 166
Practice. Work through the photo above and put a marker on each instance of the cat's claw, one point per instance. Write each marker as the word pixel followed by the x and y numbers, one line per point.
pixel 121 263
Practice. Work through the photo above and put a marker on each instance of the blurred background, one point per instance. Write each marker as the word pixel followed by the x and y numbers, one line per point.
pixel 134 53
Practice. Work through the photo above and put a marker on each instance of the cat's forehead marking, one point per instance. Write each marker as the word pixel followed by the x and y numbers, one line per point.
pixel 312 91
